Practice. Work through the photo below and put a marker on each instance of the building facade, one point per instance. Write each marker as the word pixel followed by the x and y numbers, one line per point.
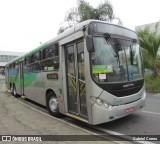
pixel 6 56
pixel 150 25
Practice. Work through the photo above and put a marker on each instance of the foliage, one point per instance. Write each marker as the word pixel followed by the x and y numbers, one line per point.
pixel 84 11
pixel 146 59
pixel 150 42
pixel 152 84
pixel 158 63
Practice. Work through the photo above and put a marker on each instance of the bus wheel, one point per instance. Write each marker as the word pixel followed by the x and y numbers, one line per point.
pixel 14 92
pixel 52 104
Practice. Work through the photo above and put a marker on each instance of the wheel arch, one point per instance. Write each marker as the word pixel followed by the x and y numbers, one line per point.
pixel 53 113
pixel 48 91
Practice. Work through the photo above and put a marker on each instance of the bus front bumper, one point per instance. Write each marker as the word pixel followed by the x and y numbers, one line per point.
pixel 101 114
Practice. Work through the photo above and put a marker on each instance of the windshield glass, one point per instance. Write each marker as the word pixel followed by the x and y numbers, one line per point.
pixel 115 60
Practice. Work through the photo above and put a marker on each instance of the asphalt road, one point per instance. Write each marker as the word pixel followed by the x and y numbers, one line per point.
pixel 144 122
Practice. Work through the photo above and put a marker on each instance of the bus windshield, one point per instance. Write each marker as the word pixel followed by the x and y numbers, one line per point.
pixel 116 60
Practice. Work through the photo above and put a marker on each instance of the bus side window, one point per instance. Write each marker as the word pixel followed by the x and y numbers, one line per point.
pixel 36 57
pixel 36 67
pixel 35 62
pixel 13 65
pixel 27 62
pixel 51 58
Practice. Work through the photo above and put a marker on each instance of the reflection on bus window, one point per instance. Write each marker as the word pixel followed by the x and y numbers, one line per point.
pixel 116 61
pixel 50 58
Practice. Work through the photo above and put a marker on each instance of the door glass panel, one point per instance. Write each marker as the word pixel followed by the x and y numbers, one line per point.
pixel 71 80
pixel 75 76
pixel 81 74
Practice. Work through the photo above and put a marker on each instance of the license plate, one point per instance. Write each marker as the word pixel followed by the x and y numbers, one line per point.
pixel 128 110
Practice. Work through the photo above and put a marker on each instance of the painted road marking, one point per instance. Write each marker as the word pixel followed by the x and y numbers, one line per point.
pixel 151 112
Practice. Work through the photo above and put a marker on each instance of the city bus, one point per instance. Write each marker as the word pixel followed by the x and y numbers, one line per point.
pixel 92 72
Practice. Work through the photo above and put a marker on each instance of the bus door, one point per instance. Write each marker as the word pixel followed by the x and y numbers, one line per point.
pixel 75 79
pixel 21 78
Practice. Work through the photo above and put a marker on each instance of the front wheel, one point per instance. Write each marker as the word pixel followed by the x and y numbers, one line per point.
pixel 52 104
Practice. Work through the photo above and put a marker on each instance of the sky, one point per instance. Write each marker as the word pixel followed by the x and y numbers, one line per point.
pixel 24 24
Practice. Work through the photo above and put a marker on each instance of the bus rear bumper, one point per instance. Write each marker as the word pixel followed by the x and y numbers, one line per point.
pixel 101 114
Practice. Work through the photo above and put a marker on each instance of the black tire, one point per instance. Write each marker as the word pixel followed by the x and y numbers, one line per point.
pixel 14 92
pixel 52 105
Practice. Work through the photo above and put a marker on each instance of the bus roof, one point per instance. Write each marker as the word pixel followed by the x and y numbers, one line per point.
pixel 66 33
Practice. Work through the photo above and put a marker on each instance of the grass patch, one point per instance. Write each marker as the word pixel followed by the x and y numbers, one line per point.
pixel 152 84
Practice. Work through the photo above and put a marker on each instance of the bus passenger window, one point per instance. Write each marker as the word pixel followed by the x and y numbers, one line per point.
pixel 50 60
pixel 51 51
pixel 16 65
pixel 36 57
pixel 28 60
pixel 36 67
pixel 13 65
pixel 35 62
pixel 51 64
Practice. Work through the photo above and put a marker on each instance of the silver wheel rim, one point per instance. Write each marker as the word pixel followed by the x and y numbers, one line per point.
pixel 53 104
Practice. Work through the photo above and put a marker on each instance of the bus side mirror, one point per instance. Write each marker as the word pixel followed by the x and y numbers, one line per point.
pixel 89 43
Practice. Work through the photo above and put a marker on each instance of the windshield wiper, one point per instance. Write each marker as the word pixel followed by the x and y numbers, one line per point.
pixel 113 47
pixel 110 42
pixel 108 38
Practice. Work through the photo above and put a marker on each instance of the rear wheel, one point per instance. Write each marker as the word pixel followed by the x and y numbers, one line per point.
pixel 52 104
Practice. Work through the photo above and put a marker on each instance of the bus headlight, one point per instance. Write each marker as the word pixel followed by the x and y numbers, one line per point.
pixel 106 105
pixel 100 102
pixel 97 101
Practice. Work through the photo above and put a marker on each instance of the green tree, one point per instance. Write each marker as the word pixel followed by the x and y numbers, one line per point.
pixel 85 11
pixel 150 42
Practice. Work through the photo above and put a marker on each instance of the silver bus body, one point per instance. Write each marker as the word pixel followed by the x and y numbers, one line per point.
pixel 99 105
